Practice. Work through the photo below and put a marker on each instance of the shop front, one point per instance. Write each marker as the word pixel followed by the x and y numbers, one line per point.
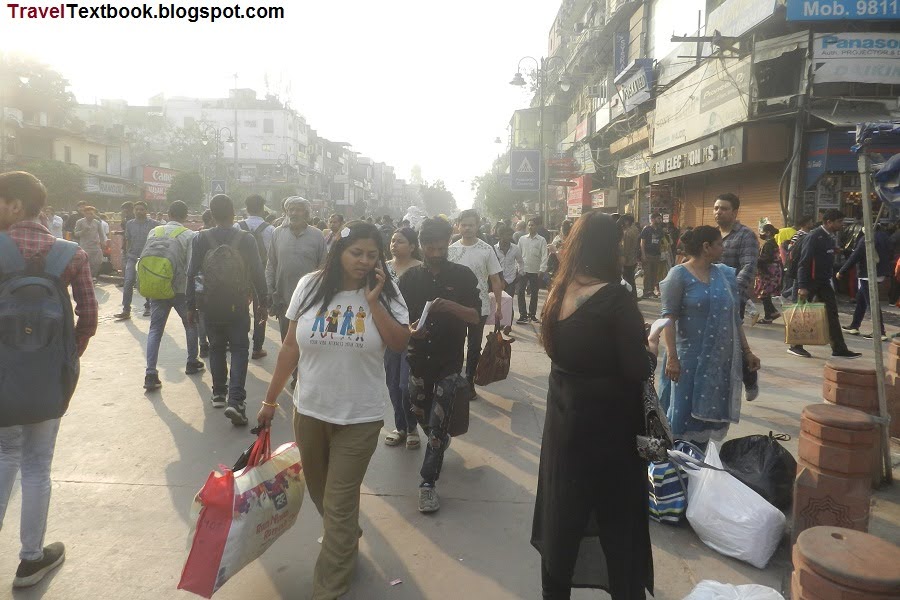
pixel 748 161
pixel 831 177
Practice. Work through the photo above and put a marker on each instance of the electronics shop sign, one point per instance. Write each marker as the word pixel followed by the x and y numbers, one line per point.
pixel 713 152
pixel 842 10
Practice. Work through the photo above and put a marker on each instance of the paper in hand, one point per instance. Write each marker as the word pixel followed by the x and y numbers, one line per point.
pixel 424 316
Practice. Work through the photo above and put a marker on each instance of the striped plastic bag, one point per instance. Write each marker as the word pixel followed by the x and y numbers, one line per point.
pixel 668 487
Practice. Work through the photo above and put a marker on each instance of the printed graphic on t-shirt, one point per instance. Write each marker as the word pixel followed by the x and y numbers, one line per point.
pixel 340 324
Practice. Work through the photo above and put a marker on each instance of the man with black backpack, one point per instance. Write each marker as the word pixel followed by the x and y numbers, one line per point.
pixel 262 231
pixel 162 278
pixel 225 273
pixel 39 359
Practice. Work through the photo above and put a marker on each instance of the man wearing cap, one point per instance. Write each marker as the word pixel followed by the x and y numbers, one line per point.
pixel 295 250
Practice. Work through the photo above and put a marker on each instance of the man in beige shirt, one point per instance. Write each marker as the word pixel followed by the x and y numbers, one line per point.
pixel 631 249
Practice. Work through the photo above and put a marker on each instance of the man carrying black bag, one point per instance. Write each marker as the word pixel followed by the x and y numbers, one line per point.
pixel 39 358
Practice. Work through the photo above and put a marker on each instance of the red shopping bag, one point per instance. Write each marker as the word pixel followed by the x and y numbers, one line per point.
pixel 239 514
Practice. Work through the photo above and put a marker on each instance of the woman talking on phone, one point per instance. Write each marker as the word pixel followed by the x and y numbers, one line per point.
pixel 341 391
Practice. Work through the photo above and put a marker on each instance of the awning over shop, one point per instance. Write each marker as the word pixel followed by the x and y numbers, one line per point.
pixel 850 114
pixel 775 47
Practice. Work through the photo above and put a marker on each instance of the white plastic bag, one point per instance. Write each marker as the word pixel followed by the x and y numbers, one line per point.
pixel 731 518
pixel 713 590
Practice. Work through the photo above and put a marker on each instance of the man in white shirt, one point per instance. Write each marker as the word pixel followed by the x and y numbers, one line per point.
pixel 256 225
pixel 534 253
pixel 54 222
pixel 481 259
pixel 510 259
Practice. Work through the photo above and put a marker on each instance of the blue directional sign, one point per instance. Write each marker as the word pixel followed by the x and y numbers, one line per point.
pixel 525 170
pixel 842 10
pixel 217 186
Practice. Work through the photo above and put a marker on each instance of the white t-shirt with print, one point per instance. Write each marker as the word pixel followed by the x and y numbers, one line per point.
pixel 341 369
pixel 481 258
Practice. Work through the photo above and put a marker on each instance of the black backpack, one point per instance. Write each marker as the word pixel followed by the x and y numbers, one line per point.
pixel 258 236
pixel 39 363
pixel 226 283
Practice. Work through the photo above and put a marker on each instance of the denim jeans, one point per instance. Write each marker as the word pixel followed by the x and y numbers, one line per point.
pixel 862 305
pixel 128 287
pixel 29 447
pixel 159 314
pixel 432 404
pixel 532 282
pixel 259 329
pixel 396 370
pixel 236 334
pixel 201 331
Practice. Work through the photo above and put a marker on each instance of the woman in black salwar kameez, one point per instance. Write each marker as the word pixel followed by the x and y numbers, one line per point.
pixel 591 515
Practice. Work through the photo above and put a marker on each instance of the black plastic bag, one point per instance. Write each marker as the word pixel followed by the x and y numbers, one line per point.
pixel 763 465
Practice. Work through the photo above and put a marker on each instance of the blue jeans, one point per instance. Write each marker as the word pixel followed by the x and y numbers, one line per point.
pixel 159 314
pixel 128 287
pixel 236 334
pixel 396 371
pixel 862 305
pixel 28 449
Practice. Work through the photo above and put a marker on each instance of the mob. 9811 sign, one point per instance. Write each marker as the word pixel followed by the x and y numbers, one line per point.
pixel 842 10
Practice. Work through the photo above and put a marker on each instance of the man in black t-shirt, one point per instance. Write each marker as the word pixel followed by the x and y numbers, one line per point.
pixel 436 349
pixel 651 255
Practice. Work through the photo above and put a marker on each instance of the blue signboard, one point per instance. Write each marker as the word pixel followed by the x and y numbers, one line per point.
pixel 525 170
pixel 217 186
pixel 842 10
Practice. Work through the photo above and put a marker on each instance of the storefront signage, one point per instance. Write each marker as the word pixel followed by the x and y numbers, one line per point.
pixel 584 158
pixel 634 165
pixel 635 82
pixel 581 130
pixel 858 57
pixel 734 18
pixel 103 187
pixel 716 151
pixel 604 199
pixel 578 195
pixel 712 97
pixel 620 51
pixel 157 182
pixel 842 10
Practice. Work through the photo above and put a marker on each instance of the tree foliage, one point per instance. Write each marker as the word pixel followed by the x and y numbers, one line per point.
pixel 64 182
pixel 31 86
pixel 437 199
pixel 493 193
pixel 187 187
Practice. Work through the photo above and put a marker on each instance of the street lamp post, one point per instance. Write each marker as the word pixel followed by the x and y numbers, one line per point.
pixel 208 129
pixel 564 84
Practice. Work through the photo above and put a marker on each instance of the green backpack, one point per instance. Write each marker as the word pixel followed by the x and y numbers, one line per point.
pixel 158 264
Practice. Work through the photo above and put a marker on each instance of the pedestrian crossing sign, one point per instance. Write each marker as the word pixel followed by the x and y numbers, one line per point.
pixel 217 186
pixel 525 167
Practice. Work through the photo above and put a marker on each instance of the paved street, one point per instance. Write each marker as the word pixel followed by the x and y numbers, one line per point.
pixel 128 464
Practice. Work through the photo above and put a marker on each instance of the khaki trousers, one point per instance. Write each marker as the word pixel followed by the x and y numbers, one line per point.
pixel 335 459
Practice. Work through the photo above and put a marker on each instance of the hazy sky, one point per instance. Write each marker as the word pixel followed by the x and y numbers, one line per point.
pixel 406 82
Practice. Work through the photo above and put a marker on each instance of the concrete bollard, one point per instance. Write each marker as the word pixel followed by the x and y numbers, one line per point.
pixel 834 468
pixel 832 563
pixel 892 386
pixel 854 385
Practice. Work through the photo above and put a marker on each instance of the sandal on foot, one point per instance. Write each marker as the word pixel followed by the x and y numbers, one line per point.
pixel 412 440
pixel 395 438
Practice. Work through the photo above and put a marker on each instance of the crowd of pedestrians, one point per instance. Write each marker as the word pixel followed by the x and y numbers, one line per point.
pixel 404 311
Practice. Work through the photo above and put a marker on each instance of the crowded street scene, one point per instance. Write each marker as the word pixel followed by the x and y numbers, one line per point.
pixel 625 326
